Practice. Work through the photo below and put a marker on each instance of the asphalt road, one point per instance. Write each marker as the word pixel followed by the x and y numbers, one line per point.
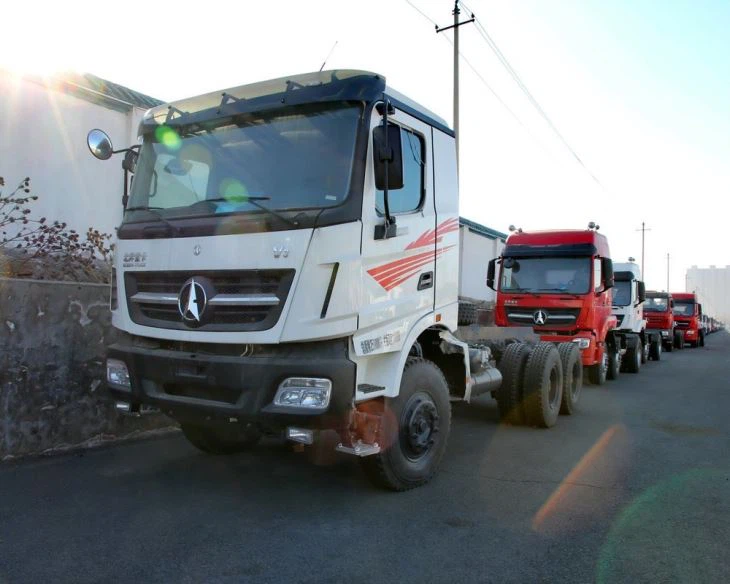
pixel 635 488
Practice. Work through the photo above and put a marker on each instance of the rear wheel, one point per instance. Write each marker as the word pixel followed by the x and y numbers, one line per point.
pixel 543 389
pixel 221 440
pixel 572 376
pixel 415 439
pixel 509 394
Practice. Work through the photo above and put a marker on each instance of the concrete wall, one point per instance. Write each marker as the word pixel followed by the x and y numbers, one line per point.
pixel 476 251
pixel 53 337
pixel 43 136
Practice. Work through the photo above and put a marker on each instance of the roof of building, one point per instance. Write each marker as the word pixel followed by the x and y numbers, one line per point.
pixel 95 90
pixel 475 227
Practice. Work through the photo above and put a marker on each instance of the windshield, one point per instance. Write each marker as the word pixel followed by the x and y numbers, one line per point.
pixel 683 308
pixel 546 274
pixel 295 159
pixel 622 293
pixel 656 305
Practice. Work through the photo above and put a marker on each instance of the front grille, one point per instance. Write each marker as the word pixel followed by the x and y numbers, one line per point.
pixel 681 324
pixel 241 300
pixel 553 316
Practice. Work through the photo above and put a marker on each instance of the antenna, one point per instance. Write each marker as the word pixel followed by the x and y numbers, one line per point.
pixel 328 56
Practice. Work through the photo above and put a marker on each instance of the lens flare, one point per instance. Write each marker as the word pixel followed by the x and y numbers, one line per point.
pixel 168 137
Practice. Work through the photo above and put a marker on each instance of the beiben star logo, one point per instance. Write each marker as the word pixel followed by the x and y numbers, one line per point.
pixel 192 301
pixel 539 317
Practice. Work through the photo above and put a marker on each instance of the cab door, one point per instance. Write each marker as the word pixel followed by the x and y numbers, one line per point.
pixel 399 272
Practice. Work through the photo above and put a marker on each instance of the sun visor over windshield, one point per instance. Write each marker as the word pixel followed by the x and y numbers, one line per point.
pixel 529 251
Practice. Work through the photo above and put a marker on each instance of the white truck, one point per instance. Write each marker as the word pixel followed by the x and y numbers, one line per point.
pixel 629 294
pixel 288 262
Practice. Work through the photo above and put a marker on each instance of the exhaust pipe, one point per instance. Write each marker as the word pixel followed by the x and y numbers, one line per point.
pixel 134 410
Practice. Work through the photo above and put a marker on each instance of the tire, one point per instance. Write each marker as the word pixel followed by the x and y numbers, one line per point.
pixel 655 350
pixel 572 377
pixel 678 340
pixel 415 439
pixel 645 346
pixel 668 347
pixel 702 339
pixel 614 363
pixel 543 388
pixel 632 362
pixel 220 440
pixel 509 394
pixel 467 313
pixel 598 373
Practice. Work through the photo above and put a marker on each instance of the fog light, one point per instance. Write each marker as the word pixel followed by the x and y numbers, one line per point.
pixel 300 435
pixel 309 393
pixel 117 374
pixel 582 343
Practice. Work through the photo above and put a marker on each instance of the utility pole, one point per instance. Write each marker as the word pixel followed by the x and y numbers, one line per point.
pixel 667 273
pixel 643 229
pixel 455 26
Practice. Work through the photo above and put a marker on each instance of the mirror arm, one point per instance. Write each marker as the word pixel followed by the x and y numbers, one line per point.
pixel 125 196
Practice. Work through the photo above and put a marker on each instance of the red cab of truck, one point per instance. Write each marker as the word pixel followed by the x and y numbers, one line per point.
pixel 558 283
pixel 658 311
pixel 687 314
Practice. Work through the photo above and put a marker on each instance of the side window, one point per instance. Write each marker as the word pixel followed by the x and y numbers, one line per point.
pixel 597 285
pixel 410 197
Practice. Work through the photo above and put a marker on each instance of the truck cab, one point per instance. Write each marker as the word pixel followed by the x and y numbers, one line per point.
pixel 629 295
pixel 559 284
pixel 687 314
pixel 658 310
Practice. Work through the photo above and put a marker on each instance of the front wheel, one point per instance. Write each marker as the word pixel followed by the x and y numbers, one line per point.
pixel 702 339
pixel 598 373
pixel 614 363
pixel 633 355
pixel 655 350
pixel 415 432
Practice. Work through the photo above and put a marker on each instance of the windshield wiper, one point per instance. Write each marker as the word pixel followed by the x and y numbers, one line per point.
pixel 255 202
pixel 155 212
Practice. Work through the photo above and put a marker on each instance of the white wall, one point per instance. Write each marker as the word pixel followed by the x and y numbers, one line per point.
pixel 711 286
pixel 476 251
pixel 43 136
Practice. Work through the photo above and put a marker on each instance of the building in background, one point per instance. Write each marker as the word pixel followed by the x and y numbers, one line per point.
pixel 711 286
pixel 43 128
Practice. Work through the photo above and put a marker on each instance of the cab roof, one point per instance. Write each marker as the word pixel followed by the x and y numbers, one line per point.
pixel 557 242
pixel 321 86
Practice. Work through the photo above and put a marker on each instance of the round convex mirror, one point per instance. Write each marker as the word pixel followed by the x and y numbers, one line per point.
pixel 99 144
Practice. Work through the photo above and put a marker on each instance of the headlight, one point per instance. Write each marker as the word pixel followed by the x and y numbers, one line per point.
pixel 665 333
pixel 582 343
pixel 309 393
pixel 117 374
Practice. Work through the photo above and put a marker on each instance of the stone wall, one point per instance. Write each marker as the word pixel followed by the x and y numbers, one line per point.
pixel 52 344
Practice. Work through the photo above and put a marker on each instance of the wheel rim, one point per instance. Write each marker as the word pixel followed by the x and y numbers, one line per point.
pixel 420 426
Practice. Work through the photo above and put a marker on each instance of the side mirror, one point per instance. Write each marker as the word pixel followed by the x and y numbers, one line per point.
pixel 99 144
pixel 393 155
pixel 607 271
pixel 641 292
pixel 491 270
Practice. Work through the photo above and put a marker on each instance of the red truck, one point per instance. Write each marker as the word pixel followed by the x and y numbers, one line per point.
pixel 558 283
pixel 658 310
pixel 687 315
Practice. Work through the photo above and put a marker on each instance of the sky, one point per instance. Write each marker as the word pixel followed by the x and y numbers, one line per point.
pixel 639 89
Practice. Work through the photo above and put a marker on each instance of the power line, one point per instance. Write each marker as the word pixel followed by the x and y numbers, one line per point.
pixel 485 83
pixel 505 63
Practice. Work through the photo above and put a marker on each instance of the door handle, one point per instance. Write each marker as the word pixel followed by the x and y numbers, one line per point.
pixel 425 281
